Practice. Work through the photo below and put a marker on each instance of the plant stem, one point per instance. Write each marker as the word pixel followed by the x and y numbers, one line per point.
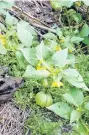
pixel 45 64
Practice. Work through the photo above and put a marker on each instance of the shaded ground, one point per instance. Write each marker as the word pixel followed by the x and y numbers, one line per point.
pixel 40 9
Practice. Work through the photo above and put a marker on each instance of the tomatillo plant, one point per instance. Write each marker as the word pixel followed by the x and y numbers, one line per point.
pixel 50 68
pixel 51 62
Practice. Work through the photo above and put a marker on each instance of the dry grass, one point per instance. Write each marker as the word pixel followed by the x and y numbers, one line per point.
pixel 12 119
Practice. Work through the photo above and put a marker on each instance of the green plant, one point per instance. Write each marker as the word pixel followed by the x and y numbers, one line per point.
pixel 58 4
pixel 49 64
pixel 38 125
pixel 5 4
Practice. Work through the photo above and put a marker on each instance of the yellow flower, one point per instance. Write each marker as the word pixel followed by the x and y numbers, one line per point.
pixel 58 48
pixel 39 67
pixel 78 3
pixel 70 51
pixel 62 40
pixel 57 84
pixel 2 39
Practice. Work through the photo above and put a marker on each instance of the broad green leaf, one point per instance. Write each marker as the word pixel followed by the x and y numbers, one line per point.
pixel 74 78
pixel 69 45
pixel 61 109
pixel 32 30
pixel 24 33
pixel 60 58
pixel 77 96
pixel 86 2
pixel 30 55
pixel 76 39
pixel 73 97
pixel 71 60
pixel 86 106
pixel 85 31
pixel 41 51
pixel 31 72
pixel 57 4
pixel 10 20
pixel 50 36
pixel 2 49
pixel 5 4
pixel 28 27
pixel 70 99
pixel 75 115
pixel 86 40
pixel 20 58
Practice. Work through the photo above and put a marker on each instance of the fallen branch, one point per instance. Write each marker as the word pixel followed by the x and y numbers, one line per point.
pixel 35 20
pixel 32 20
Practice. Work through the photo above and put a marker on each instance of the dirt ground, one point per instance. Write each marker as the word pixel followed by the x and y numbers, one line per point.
pixel 12 119
pixel 39 9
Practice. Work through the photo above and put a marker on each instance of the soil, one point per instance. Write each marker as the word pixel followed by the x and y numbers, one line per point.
pixel 39 9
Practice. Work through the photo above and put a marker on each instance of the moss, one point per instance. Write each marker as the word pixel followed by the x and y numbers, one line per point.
pixel 41 126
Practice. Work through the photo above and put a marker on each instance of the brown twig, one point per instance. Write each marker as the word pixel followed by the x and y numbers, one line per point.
pixel 29 16
pixel 32 20
pixel 44 27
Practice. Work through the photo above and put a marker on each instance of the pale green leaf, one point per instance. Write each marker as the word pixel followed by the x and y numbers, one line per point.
pixel 60 58
pixel 61 109
pixel 2 49
pixel 70 99
pixel 10 20
pixel 30 55
pixel 75 115
pixel 86 106
pixel 77 95
pixel 24 34
pixel 85 31
pixel 41 51
pixel 74 78
pixel 57 4
pixel 28 27
pixel 50 36
pixel 5 4
pixel 71 60
pixel 86 40
pixel 86 2
pixel 76 39
pixel 31 72
pixel 59 32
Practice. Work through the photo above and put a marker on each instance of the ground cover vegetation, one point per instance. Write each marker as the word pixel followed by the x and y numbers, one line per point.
pixel 55 69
